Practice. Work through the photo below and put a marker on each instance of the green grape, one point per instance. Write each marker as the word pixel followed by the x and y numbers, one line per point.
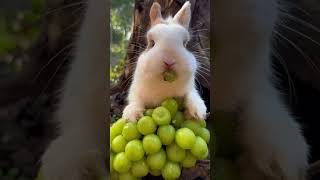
pixel 185 138
pixel 151 143
pixel 178 119
pixel 161 116
pixel 175 153
pixel 121 163
pixel 200 148
pixel 130 131
pixel 171 105
pixel 166 134
pixel 189 161
pixel 148 112
pixel 146 125
pixel 134 150
pixel 157 160
pixel 171 170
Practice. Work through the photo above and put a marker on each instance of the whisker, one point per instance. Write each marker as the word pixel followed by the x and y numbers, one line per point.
pixel 205 73
pixel 300 33
pixel 292 91
pixel 54 74
pixel 64 7
pixel 309 60
pixel 205 69
pixel 203 77
pixel 70 26
pixel 198 84
pixel 51 60
pixel 199 30
pixel 287 6
pixel 301 21
pixel 201 57
pixel 137 45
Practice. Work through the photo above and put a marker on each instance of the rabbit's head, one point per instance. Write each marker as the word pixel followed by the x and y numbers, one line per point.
pixel 166 45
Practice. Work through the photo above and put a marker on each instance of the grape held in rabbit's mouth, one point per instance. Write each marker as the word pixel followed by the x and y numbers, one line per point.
pixel 169 76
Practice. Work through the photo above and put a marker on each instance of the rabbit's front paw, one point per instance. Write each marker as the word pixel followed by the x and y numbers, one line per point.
pixel 196 109
pixel 132 112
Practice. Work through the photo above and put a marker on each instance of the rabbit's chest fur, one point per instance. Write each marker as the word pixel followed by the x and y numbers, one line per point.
pixel 153 90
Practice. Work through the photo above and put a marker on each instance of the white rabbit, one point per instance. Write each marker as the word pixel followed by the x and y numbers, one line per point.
pixel 166 49
pixel 274 145
pixel 81 147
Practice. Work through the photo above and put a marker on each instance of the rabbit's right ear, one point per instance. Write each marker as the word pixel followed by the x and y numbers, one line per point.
pixel 155 14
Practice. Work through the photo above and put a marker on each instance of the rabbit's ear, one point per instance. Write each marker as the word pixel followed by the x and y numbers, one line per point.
pixel 155 14
pixel 183 16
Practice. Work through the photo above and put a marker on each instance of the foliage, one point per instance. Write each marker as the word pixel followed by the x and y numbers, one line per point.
pixel 121 13
pixel 18 29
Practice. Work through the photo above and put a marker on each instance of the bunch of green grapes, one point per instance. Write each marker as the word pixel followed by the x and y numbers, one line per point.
pixel 161 143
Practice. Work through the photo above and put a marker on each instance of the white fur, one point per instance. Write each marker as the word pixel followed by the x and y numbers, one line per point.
pixel 148 88
pixel 274 145
pixel 80 149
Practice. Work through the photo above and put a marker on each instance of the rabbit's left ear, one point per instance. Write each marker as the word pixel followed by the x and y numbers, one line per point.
pixel 183 16
pixel 155 14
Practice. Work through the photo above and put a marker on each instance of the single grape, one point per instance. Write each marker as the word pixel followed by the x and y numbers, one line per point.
pixel 178 119
pixel 140 168
pixel 118 144
pixel 171 170
pixel 151 143
pixel 205 134
pixel 169 76
pixel 185 138
pixel 116 128
pixel 175 153
pixel 146 125
pixel 200 148
pixel 134 150
pixel 189 161
pixel 171 105
pixel 157 160
pixel 166 134
pixel 161 116
pixel 130 131
pixel 121 163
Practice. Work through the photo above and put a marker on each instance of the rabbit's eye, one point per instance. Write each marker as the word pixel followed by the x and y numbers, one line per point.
pixel 151 43
pixel 185 43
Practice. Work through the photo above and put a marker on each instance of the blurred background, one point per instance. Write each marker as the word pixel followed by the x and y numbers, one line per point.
pixel 36 39
pixel 36 43
pixel 121 22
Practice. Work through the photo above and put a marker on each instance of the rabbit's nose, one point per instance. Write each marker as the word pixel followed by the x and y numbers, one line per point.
pixel 169 63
